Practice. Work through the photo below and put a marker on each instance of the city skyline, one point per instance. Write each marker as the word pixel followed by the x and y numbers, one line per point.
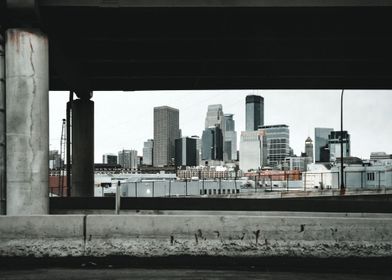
pixel 366 116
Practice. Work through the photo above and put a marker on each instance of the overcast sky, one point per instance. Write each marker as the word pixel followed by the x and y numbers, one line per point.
pixel 124 120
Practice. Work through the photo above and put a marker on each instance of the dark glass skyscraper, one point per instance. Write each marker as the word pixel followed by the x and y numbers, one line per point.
pixel 186 152
pixel 212 144
pixel 321 143
pixel 230 139
pixel 254 112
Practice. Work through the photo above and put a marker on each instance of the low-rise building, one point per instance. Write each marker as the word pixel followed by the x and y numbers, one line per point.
pixel 109 159
pixel 357 175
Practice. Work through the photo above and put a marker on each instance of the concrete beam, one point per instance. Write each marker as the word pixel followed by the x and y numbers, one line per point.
pixel 217 3
pixel 23 12
pixel 71 73
pixel 27 121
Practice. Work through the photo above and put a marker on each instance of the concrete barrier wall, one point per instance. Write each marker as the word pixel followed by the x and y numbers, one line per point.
pixel 42 236
pixel 212 235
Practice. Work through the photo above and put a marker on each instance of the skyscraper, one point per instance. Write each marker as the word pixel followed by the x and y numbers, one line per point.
pixel 254 112
pixel 212 140
pixel 186 152
pixel 198 148
pixel 148 148
pixel 334 145
pixel 166 131
pixel 309 149
pixel 320 141
pixel 253 150
pixel 230 141
pixel 214 119
pixel 128 159
pixel 278 143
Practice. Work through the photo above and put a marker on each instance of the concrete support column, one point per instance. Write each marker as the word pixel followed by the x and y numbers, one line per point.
pixel 2 129
pixel 82 148
pixel 27 121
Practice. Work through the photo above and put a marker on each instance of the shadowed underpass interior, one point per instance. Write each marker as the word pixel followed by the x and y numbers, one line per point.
pixel 163 45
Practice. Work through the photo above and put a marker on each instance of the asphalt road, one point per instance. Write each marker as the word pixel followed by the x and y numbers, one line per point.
pixel 170 274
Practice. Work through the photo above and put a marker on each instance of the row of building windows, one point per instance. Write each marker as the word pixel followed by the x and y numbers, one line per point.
pixel 218 191
pixel 278 141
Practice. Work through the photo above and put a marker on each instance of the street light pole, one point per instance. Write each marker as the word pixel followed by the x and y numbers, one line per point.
pixel 342 187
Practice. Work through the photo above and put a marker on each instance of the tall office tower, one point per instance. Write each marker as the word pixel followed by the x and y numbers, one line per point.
pixel 198 148
pixel 215 117
pixel 278 143
pixel 230 141
pixel 334 145
pixel 253 150
pixel 309 149
pixel 109 159
pixel 128 159
pixel 254 112
pixel 320 141
pixel 211 144
pixel 166 131
pixel 148 148
pixel 186 152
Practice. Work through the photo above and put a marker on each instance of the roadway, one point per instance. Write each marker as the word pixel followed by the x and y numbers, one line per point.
pixel 170 274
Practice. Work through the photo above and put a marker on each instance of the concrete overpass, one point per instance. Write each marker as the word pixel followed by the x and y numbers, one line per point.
pixel 91 45
pixel 85 46
pixel 194 44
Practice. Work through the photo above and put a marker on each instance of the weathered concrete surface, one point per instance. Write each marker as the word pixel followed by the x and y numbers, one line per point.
pixel 238 236
pixel 82 148
pixel 27 121
pixel 203 235
pixel 42 236
pixel 2 127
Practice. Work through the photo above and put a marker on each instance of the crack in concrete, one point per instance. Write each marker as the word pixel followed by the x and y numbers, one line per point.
pixel 31 116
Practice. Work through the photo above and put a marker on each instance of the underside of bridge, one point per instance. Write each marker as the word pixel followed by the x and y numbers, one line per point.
pixel 106 45
pixel 168 45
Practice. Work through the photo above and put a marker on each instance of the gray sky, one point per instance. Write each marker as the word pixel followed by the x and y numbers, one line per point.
pixel 124 120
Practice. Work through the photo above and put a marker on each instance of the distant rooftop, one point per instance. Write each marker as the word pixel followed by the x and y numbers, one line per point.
pixel 165 107
pixel 273 126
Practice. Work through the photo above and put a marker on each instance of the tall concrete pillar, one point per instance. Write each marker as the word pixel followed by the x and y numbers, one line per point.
pixel 2 129
pixel 82 148
pixel 27 121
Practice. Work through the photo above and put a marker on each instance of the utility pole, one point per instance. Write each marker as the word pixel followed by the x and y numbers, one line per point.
pixel 342 187
pixel 69 137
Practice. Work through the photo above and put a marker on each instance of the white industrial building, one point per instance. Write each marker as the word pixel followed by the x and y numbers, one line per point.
pixel 366 176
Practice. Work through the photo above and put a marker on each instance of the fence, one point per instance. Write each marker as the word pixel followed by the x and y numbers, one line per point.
pixel 309 181
pixel 180 188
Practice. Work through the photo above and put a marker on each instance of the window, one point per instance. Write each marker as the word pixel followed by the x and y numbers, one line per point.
pixel 370 176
